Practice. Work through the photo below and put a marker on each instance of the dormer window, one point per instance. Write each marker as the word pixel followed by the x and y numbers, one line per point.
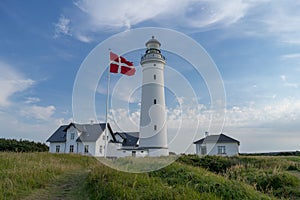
pixel 72 136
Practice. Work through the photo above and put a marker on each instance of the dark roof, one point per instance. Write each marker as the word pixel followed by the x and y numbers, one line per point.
pixel 129 138
pixel 217 139
pixel 90 132
pixel 59 135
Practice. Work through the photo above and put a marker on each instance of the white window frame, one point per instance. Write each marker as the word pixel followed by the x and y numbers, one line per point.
pixel 71 149
pixel 101 149
pixel 57 148
pixel 222 150
pixel 72 136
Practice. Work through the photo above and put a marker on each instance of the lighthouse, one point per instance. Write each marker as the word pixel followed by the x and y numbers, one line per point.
pixel 153 126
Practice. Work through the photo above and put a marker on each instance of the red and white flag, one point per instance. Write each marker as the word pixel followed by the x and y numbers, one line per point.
pixel 119 64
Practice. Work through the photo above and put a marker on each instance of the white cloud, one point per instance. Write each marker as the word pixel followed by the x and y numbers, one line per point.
pixel 38 112
pixel 290 56
pixel 274 18
pixel 83 38
pixel 118 15
pixel 210 13
pixel 13 126
pixel 30 100
pixel 255 18
pixel 62 27
pixel 11 82
pixel 283 77
pixel 288 84
pixel 246 123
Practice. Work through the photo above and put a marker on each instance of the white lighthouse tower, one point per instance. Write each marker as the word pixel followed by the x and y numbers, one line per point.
pixel 153 127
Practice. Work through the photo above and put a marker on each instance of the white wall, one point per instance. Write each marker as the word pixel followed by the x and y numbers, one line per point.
pixel 153 115
pixel 70 141
pixel 158 152
pixel 231 149
pixel 52 147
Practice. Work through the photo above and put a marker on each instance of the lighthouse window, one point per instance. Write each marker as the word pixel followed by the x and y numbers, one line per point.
pixel 154 101
pixel 155 127
pixel 154 64
pixel 154 76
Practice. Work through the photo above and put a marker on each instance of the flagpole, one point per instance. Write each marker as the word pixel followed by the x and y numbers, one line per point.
pixel 106 113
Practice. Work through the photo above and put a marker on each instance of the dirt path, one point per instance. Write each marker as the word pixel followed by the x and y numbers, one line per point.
pixel 68 187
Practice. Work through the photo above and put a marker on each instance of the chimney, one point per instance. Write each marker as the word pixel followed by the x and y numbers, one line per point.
pixel 206 134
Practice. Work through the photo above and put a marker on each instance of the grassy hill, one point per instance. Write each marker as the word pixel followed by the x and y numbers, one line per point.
pixel 59 176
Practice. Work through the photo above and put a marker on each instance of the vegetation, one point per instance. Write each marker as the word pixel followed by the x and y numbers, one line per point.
pixel 22 146
pixel 190 177
pixel 106 183
pixel 268 174
pixel 22 173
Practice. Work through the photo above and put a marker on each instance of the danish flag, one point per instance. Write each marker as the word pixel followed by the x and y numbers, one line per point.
pixel 119 64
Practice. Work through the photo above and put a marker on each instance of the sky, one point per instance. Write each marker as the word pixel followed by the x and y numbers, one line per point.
pixel 255 46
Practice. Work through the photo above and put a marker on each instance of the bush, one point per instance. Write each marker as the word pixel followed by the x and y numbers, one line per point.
pixel 215 164
pixel 13 145
pixel 274 182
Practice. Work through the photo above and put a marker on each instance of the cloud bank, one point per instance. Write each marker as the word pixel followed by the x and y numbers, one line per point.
pixel 11 82
pixel 253 18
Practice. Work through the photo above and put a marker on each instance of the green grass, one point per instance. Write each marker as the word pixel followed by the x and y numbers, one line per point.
pixel 106 183
pixel 56 176
pixel 22 173
pixel 268 174
pixel 203 181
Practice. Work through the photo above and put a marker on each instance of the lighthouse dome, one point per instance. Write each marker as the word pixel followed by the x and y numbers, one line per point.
pixel 153 43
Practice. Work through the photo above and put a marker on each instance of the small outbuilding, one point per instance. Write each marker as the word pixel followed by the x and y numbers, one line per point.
pixel 220 144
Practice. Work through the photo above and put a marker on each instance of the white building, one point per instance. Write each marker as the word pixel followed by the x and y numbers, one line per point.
pixel 221 144
pixel 153 128
pixel 90 139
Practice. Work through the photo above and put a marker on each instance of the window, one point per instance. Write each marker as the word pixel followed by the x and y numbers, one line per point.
pixel 221 150
pixel 57 148
pixel 154 101
pixel 103 137
pixel 155 127
pixel 72 136
pixel 154 76
pixel 154 64
pixel 86 148
pixel 101 149
pixel 71 148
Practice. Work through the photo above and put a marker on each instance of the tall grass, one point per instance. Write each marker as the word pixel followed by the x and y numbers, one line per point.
pixel 106 183
pixel 191 177
pixel 21 173
pixel 201 180
pixel 267 174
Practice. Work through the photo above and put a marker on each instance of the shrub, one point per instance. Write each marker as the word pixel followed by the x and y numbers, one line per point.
pixel 215 164
pixel 22 146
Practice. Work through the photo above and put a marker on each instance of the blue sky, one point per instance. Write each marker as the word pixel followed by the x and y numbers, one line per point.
pixel 255 45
